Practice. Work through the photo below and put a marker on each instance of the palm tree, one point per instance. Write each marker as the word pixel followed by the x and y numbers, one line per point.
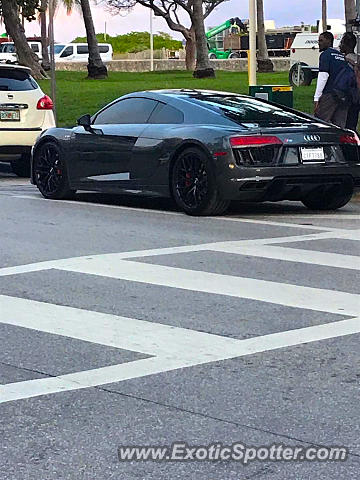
pixel 203 68
pixel 44 39
pixel 324 15
pixel 350 13
pixel 15 30
pixel 96 67
pixel 263 60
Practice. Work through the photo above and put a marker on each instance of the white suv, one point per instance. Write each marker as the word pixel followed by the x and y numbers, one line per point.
pixel 79 52
pixel 25 111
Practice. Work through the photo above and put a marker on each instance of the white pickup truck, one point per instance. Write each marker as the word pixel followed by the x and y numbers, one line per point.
pixel 304 57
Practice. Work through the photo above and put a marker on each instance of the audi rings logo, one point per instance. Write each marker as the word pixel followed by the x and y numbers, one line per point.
pixel 312 138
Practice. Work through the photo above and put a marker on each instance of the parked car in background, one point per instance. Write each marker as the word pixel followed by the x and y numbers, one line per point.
pixel 79 52
pixel 304 55
pixel 8 51
pixel 25 112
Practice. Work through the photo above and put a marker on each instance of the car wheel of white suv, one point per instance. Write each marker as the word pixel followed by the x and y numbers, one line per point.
pixel 21 166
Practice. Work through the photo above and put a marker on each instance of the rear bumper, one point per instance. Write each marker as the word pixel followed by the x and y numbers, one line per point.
pixel 275 184
pixel 14 141
pixel 14 138
pixel 7 150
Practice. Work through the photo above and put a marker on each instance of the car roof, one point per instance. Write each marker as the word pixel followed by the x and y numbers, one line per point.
pixel 27 41
pixel 14 67
pixel 183 94
pixel 81 44
pixel 188 91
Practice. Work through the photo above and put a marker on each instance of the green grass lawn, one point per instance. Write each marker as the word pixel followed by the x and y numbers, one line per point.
pixel 77 95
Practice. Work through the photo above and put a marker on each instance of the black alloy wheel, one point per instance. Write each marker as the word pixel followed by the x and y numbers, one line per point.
pixel 193 184
pixel 21 166
pixel 50 172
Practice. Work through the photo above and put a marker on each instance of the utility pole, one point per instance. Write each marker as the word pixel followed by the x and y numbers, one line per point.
pixel 151 42
pixel 357 26
pixel 252 43
pixel 52 55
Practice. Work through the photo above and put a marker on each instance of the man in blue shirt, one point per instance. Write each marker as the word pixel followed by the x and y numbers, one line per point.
pixel 327 106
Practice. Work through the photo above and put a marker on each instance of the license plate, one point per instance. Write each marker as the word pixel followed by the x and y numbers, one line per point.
pixel 313 155
pixel 10 115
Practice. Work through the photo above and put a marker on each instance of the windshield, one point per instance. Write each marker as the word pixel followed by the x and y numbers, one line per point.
pixel 249 110
pixel 7 48
pixel 58 48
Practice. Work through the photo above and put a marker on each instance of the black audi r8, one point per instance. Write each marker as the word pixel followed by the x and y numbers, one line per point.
pixel 203 148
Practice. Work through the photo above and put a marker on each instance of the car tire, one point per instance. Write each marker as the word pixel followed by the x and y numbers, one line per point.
pixel 21 166
pixel 193 184
pixel 329 200
pixel 212 56
pixel 306 75
pixel 50 173
pixel 234 55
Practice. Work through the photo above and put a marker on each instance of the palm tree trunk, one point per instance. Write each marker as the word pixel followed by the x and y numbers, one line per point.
pixel 203 68
pixel 190 49
pixel 350 13
pixel 263 61
pixel 44 39
pixel 324 15
pixel 96 67
pixel 16 31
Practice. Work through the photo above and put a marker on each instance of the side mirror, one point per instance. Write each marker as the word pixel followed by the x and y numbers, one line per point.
pixel 85 121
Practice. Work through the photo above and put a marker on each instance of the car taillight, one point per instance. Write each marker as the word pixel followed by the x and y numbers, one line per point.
pixel 254 141
pixel 353 139
pixel 293 50
pixel 45 103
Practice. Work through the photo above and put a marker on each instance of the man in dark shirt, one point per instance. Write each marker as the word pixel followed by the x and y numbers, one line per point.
pixel 347 47
pixel 327 106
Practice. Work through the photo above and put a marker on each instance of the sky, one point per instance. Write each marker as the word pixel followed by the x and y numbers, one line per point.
pixel 68 27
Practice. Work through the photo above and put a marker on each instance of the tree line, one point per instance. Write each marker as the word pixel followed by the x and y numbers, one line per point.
pixel 134 42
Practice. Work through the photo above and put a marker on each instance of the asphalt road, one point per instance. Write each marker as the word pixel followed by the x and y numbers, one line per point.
pixel 124 322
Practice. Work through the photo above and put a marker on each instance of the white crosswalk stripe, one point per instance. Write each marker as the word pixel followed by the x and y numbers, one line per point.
pixel 171 347
pixel 295 255
pixel 241 287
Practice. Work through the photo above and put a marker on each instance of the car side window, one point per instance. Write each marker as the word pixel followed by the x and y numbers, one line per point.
pixel 166 114
pixel 67 52
pixel 82 49
pixel 129 110
pixel 103 48
pixel 10 49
